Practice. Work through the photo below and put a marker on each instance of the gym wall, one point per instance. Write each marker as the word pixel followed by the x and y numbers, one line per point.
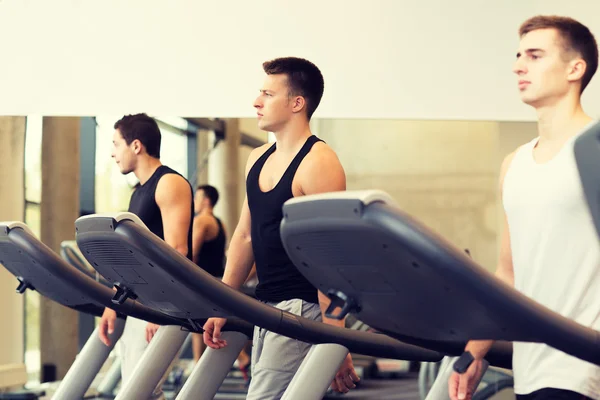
pixel 445 173
pixel 384 59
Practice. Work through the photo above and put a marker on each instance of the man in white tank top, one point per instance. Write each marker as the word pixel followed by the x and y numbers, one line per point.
pixel 549 247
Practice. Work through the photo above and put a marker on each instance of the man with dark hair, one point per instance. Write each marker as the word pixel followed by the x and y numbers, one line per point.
pixel 208 194
pixel 303 79
pixel 164 202
pixel 297 164
pixel 141 127
pixel 549 249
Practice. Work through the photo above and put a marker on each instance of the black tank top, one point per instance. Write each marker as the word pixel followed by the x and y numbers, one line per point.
pixel 143 204
pixel 278 277
pixel 212 254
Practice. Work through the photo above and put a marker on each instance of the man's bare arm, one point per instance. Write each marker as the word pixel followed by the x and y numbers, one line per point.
pixel 240 256
pixel 504 270
pixel 174 198
pixel 198 235
pixel 322 172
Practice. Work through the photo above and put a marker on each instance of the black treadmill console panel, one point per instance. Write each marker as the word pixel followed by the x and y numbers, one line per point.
pixel 347 208
pixel 96 224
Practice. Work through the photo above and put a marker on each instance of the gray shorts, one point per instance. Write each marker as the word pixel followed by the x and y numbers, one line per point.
pixel 276 358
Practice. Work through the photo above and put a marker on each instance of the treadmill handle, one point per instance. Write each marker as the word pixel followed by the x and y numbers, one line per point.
pixel 122 295
pixel 339 299
pixel 23 286
pixel 464 362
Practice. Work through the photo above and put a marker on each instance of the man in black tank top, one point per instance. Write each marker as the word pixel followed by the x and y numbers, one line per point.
pixel 208 244
pixel 297 164
pixel 209 236
pixel 164 202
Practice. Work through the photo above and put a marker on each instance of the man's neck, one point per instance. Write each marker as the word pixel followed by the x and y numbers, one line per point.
pixel 292 136
pixel 206 212
pixel 559 122
pixel 146 166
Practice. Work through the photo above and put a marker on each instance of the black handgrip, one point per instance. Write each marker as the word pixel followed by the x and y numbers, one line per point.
pixel 464 362
pixel 339 299
pixel 122 295
pixel 195 326
pixel 23 286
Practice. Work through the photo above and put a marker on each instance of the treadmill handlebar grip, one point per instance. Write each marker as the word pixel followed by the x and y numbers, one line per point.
pixel 339 299
pixel 239 325
pixel 196 327
pixel 23 286
pixel 464 362
pixel 122 295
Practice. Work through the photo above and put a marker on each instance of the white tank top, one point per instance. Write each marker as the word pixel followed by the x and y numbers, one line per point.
pixel 556 259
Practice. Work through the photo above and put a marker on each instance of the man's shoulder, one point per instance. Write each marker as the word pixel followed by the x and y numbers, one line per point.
pixel 173 186
pixel 172 178
pixel 258 152
pixel 255 155
pixel 508 159
pixel 321 155
pixel 321 171
pixel 204 219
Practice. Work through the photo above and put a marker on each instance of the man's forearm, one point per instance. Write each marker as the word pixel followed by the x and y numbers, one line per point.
pixel 239 261
pixel 479 348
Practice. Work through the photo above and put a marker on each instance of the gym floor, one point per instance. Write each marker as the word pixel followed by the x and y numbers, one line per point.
pixel 405 388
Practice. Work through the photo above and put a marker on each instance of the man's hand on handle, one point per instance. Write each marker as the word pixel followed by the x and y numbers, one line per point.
pixel 107 325
pixel 346 377
pixel 151 331
pixel 462 386
pixel 212 333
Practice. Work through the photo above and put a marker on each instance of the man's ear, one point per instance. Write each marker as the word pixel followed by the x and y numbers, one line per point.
pixel 577 68
pixel 298 104
pixel 136 146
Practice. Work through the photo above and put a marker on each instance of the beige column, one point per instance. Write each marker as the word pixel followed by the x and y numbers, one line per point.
pixel 223 174
pixel 12 203
pixel 59 210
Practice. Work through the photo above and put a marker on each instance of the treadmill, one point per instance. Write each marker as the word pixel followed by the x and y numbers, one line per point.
pixel 162 278
pixel 38 268
pixel 71 254
pixel 394 273
pixel 587 157
pixel 106 388
pixel 27 272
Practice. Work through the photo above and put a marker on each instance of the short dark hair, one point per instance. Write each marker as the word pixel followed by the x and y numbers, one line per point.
pixel 304 79
pixel 211 192
pixel 575 36
pixel 143 128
